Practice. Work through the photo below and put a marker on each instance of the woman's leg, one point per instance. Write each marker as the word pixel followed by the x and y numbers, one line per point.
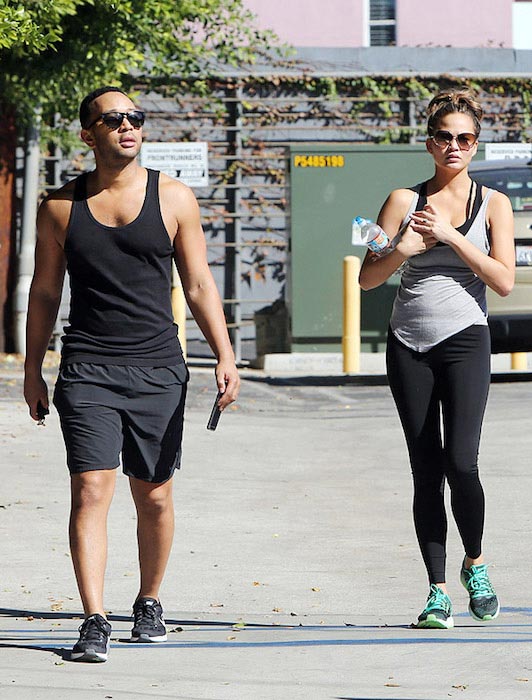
pixel 413 386
pixel 465 389
pixel 466 385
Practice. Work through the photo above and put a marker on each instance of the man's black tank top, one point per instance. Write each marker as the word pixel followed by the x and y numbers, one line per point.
pixel 120 285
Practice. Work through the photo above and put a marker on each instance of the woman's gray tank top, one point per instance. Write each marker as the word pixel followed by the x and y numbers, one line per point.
pixel 439 295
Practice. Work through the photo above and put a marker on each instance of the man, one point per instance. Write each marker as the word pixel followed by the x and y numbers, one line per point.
pixel 122 382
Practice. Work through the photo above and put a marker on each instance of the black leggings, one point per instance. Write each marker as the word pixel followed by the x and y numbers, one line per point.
pixel 455 376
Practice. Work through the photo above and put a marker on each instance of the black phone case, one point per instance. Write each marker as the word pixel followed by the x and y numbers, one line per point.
pixel 42 412
pixel 215 414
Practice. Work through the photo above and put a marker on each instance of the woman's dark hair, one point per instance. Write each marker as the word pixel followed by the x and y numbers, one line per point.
pixel 453 100
pixel 85 106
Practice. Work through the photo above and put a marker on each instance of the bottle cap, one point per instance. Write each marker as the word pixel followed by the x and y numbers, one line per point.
pixel 359 220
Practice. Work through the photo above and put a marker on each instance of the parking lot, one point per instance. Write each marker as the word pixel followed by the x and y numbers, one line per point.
pixel 295 573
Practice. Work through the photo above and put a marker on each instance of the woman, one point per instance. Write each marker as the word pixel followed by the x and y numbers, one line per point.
pixel 452 237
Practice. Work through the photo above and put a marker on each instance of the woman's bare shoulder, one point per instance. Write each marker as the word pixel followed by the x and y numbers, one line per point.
pixel 401 196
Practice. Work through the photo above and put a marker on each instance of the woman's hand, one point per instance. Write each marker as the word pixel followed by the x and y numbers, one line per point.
pixel 430 225
pixel 414 242
pixel 496 269
pixel 377 269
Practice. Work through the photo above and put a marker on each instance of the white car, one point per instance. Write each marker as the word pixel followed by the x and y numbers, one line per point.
pixel 510 318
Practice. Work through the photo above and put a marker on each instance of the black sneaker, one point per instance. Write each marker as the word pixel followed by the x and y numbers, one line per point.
pixel 149 623
pixel 93 642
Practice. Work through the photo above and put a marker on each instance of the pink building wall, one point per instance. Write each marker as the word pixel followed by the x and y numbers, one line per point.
pixel 459 23
pixel 334 23
pixel 342 23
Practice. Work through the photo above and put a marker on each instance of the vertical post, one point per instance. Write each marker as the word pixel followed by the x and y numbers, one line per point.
pixel 28 232
pixel 179 309
pixel 8 148
pixel 519 361
pixel 237 309
pixel 233 231
pixel 351 328
pixel 412 121
pixel 53 178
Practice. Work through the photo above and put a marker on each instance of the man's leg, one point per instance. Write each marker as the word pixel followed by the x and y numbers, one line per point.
pixel 152 429
pixel 92 429
pixel 92 492
pixel 155 532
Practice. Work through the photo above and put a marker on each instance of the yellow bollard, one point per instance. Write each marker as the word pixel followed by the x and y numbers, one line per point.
pixel 351 329
pixel 179 309
pixel 519 361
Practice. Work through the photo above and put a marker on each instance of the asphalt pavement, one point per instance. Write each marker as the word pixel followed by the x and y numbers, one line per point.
pixel 295 572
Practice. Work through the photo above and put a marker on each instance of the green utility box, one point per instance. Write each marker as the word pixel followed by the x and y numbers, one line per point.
pixel 330 184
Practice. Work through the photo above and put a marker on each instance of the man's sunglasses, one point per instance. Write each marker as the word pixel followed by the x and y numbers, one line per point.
pixel 465 141
pixel 114 119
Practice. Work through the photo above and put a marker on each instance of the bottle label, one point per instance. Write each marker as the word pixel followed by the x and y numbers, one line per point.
pixel 379 243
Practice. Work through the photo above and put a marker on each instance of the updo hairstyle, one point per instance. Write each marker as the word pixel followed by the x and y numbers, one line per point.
pixel 453 100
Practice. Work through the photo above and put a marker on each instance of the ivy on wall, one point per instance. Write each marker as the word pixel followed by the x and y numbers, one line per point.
pixel 390 109
pixel 277 110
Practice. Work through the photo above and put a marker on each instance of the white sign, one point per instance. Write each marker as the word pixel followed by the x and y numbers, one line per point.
pixel 508 151
pixel 187 162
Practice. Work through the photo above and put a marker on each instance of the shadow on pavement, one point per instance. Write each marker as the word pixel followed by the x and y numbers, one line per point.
pixel 366 380
pixel 204 634
pixel 63 653
pixel 321 380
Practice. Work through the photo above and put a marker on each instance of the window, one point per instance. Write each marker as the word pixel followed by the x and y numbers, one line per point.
pixel 522 24
pixel 382 22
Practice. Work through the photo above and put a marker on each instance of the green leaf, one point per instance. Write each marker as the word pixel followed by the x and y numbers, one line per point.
pixel 53 52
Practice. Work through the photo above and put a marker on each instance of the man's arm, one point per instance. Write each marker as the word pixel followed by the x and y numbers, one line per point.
pixel 200 289
pixel 45 296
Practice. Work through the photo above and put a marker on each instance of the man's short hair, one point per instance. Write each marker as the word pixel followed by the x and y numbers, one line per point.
pixel 84 108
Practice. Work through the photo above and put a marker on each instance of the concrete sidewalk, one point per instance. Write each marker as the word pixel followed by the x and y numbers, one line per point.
pixel 295 572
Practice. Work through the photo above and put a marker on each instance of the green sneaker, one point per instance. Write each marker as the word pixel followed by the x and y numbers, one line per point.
pixel 483 603
pixel 438 610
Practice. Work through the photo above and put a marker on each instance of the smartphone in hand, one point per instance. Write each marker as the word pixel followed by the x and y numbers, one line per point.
pixel 215 413
pixel 42 412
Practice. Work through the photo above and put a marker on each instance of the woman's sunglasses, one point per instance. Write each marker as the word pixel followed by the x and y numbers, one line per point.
pixel 114 119
pixel 465 141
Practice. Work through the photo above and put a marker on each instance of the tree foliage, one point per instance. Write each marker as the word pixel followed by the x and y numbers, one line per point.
pixel 29 30
pixel 52 52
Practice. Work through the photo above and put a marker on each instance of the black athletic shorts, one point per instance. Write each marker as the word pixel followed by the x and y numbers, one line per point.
pixel 108 411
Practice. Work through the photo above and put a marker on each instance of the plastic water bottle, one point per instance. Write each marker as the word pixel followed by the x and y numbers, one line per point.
pixel 366 232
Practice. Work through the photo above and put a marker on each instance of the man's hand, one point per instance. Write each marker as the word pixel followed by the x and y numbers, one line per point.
pixel 35 392
pixel 228 383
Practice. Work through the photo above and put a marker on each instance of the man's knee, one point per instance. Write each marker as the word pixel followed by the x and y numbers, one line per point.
pixel 92 490
pixel 153 500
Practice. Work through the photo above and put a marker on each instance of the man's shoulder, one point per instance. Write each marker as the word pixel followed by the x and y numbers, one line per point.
pixel 170 184
pixel 175 196
pixel 56 206
pixel 62 194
